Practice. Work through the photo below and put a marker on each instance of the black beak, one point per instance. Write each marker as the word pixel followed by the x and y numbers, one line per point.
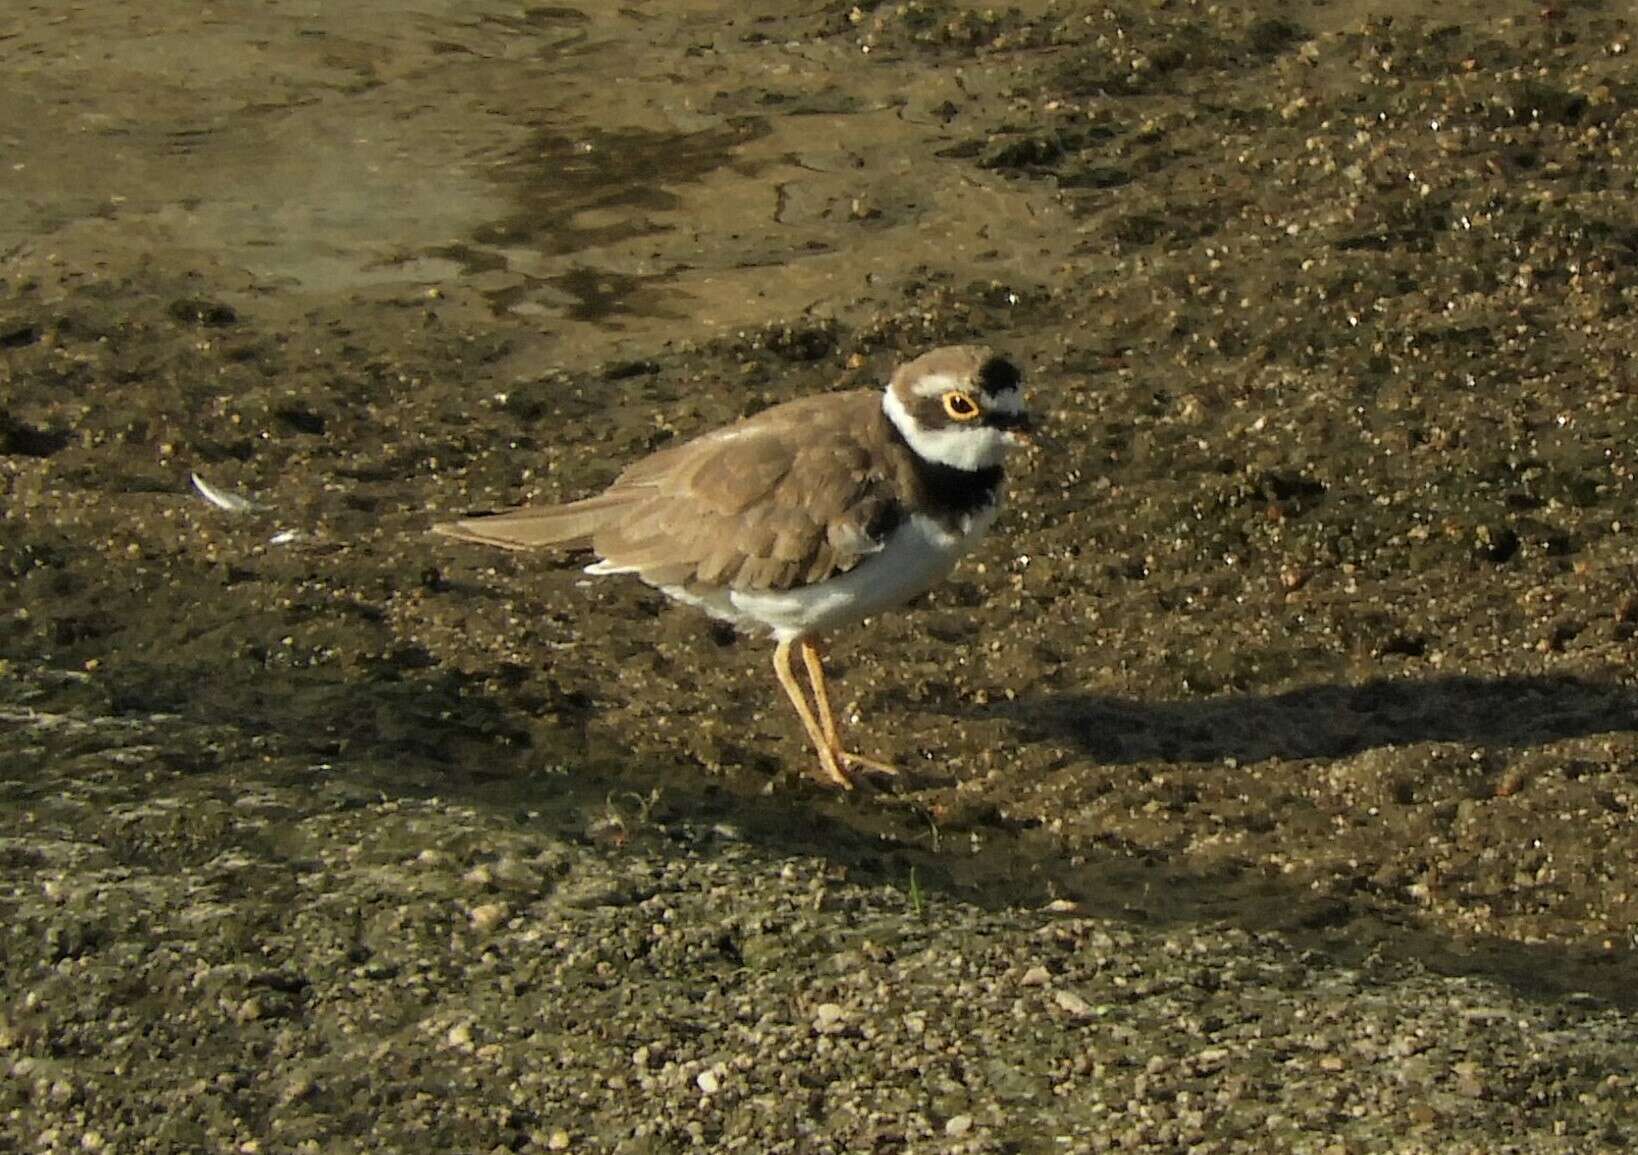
pixel 1020 425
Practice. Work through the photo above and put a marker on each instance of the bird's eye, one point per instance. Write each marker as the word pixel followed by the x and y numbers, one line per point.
pixel 960 405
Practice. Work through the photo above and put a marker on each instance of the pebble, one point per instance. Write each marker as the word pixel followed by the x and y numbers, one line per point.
pixel 1072 1003
pixel 485 917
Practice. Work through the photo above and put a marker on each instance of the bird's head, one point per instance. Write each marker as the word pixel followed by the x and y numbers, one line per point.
pixel 960 406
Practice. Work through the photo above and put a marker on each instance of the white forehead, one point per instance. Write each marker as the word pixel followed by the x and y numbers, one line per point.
pixel 938 384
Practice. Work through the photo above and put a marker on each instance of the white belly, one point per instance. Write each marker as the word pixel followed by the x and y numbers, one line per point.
pixel 915 557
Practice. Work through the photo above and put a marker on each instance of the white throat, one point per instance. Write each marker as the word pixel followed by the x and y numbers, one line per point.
pixel 969 447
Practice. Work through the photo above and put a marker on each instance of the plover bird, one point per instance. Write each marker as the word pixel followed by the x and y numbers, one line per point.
pixel 806 517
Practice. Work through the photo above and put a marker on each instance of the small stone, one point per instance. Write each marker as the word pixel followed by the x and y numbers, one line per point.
pixel 1036 976
pixel 485 917
pixel 298 1088
pixel 557 1141
pixel 1211 1059
pixel 827 1016
pixel 708 1081
pixel 1072 1003
pixel 958 1125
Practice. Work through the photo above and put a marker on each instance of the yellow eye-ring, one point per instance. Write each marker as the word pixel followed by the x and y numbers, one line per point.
pixel 960 405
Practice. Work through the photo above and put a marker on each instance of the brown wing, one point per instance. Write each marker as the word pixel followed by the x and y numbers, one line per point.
pixel 537 526
pixel 786 498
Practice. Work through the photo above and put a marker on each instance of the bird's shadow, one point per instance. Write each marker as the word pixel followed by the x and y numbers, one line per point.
pixel 1311 723
pixel 520 746
pixel 1326 721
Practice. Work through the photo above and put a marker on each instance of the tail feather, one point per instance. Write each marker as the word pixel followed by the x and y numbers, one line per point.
pixel 536 526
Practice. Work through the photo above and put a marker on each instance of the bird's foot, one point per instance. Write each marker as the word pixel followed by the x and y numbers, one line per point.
pixel 866 763
pixel 838 767
pixel 831 769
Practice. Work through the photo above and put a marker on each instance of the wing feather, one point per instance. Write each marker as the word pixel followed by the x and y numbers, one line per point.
pixel 533 527
pixel 788 497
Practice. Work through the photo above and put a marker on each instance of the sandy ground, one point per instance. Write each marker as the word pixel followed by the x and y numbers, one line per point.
pixel 1269 773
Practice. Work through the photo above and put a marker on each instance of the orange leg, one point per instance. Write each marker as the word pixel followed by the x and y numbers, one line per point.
pixel 813 658
pixel 816 733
